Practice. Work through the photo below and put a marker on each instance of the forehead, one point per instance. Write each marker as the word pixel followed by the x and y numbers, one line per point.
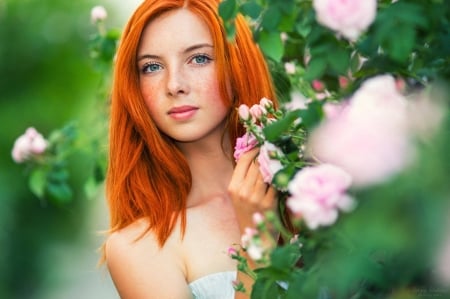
pixel 177 29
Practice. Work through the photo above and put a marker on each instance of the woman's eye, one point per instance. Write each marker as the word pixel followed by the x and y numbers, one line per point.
pixel 201 59
pixel 151 68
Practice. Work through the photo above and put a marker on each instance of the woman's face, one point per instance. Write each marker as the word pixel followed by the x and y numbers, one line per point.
pixel 178 79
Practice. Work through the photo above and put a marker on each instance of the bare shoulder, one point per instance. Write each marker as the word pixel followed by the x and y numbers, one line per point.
pixel 141 269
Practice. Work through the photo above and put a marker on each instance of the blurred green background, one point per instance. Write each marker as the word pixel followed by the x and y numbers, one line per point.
pixel 47 80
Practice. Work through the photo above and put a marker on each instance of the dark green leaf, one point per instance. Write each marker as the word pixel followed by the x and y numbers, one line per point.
pixel 315 68
pixel 339 60
pixel 59 192
pixel 251 9
pixel 275 129
pixel 271 18
pixel 227 9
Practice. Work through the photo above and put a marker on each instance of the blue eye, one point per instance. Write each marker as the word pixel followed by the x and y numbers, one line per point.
pixel 151 68
pixel 201 59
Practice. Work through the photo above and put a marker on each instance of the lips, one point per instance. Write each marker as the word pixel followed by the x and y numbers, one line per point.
pixel 182 112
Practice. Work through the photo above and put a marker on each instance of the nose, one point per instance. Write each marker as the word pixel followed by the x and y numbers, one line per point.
pixel 177 83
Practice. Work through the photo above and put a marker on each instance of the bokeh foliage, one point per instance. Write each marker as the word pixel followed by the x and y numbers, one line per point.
pixel 47 80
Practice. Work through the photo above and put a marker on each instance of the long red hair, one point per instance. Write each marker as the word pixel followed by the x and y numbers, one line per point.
pixel 147 176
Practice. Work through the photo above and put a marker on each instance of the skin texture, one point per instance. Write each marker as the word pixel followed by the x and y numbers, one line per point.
pixel 178 81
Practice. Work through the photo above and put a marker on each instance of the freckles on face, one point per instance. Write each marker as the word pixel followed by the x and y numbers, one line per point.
pixel 178 76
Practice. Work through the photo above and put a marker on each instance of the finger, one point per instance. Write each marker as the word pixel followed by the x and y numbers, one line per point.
pixel 241 169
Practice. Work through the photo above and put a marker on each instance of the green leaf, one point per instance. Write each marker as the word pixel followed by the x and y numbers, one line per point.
pixel 315 68
pixel 402 44
pixel 227 9
pixel 271 45
pixel 59 192
pixel 271 18
pixel 37 182
pixel 339 60
pixel 312 116
pixel 251 9
pixel 275 129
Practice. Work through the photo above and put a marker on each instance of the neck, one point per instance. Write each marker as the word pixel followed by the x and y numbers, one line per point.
pixel 211 168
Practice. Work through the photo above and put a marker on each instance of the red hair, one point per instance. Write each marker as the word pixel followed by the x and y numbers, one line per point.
pixel 147 176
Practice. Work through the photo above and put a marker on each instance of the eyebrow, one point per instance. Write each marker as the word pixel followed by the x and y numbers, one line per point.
pixel 187 50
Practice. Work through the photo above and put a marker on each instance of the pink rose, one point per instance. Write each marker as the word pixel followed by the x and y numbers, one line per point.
pixel 348 17
pixel 368 136
pixel 257 111
pixel 317 193
pixel 244 112
pixel 244 144
pixel 268 165
pixel 28 144
pixel 266 103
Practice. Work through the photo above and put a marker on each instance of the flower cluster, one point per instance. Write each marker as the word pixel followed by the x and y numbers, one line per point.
pixel 316 192
pixel 29 145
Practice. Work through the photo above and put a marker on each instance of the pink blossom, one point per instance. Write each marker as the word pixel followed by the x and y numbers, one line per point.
pixel 257 111
pixel 258 218
pixel 28 144
pixel 317 193
pixel 232 251
pixel 369 138
pixel 289 67
pixel 98 13
pixel 343 82
pixel 244 144
pixel 244 112
pixel 249 234
pixel 266 103
pixel 348 17
pixel 255 251
pixel 318 85
pixel 298 101
pixel 268 165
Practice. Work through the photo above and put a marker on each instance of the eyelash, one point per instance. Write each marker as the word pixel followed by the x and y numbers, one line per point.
pixel 145 67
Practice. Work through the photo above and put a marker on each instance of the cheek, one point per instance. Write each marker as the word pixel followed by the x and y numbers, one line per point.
pixel 150 99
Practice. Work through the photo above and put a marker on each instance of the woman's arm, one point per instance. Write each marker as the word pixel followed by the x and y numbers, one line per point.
pixel 141 270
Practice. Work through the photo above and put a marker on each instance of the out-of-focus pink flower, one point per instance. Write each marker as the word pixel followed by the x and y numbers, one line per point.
pixel 369 138
pixel 232 251
pixel 98 13
pixel 289 67
pixel 318 85
pixel 28 144
pixel 298 101
pixel 255 251
pixel 258 218
pixel 249 234
pixel 343 82
pixel 268 165
pixel 317 193
pixel 244 144
pixel 284 36
pixel 348 17
pixel 244 112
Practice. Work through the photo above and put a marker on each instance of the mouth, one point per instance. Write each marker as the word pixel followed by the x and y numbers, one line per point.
pixel 182 112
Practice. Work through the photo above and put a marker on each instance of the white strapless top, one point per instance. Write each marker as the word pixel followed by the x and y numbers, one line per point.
pixel 214 286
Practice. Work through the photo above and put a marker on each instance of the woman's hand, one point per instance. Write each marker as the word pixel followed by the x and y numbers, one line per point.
pixel 249 192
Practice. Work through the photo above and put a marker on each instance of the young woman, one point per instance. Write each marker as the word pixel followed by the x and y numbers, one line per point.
pixel 177 199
